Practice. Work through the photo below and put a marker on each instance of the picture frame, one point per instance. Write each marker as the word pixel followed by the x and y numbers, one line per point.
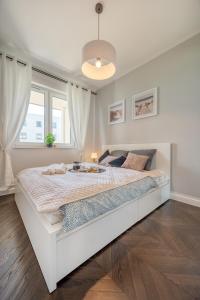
pixel 116 112
pixel 145 104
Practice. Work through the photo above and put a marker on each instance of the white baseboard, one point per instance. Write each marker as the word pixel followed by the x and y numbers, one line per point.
pixel 188 199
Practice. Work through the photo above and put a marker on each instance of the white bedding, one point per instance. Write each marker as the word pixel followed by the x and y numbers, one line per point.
pixel 49 192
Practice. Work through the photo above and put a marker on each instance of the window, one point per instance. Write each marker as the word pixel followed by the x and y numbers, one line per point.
pixel 60 120
pixel 38 124
pixel 38 136
pixel 34 115
pixel 47 112
pixel 23 135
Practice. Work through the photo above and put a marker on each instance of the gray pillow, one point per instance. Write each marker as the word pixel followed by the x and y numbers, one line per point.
pixel 104 155
pixel 119 153
pixel 147 152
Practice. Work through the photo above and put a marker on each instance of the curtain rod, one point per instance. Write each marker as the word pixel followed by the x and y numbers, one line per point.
pixel 49 74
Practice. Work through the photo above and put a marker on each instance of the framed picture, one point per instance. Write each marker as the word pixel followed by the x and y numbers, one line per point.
pixel 116 112
pixel 145 104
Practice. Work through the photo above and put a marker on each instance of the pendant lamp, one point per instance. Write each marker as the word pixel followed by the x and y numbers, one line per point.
pixel 98 56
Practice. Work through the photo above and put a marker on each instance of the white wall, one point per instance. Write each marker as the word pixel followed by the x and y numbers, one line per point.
pixel 177 75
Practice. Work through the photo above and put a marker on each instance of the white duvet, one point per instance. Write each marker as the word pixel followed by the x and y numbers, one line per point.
pixel 49 192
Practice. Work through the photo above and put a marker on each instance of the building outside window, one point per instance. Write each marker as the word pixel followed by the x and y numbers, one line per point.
pixel 38 136
pixel 23 135
pixel 38 123
pixel 34 117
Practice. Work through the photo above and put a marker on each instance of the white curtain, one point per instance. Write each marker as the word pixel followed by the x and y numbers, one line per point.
pixel 79 108
pixel 15 87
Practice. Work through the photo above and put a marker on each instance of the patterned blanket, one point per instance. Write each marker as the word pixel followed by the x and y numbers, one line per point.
pixel 49 192
pixel 82 211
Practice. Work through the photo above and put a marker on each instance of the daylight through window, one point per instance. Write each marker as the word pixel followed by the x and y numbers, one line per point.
pixel 47 112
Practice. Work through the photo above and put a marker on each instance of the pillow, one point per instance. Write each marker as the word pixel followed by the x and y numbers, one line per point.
pixel 106 160
pixel 118 162
pixel 147 152
pixel 135 162
pixel 106 153
pixel 119 153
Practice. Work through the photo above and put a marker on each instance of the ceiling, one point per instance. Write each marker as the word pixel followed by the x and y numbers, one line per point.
pixel 55 31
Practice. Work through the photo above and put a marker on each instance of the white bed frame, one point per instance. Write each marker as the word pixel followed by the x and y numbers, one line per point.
pixel 59 252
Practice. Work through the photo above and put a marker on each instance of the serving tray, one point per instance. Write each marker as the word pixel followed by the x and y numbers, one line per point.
pixel 99 170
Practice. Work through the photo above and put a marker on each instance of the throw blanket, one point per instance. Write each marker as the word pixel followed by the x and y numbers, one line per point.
pixel 83 211
pixel 49 192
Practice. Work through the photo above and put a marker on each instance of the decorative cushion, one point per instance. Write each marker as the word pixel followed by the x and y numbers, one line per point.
pixel 106 153
pixel 135 162
pixel 118 162
pixel 147 152
pixel 105 162
pixel 118 153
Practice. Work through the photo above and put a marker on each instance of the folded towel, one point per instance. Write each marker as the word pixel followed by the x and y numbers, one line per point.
pixel 48 172
pixel 56 170
pixel 60 171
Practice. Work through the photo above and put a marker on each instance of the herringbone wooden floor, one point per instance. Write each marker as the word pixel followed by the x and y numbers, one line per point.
pixel 159 258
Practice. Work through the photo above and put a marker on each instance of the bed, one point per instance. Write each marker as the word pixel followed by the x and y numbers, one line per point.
pixel 58 251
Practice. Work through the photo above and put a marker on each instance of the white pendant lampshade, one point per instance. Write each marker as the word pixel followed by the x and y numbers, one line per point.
pixel 98 56
pixel 98 60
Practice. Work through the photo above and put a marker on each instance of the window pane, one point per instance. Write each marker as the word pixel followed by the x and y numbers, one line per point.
pixel 38 124
pixel 23 135
pixel 33 128
pixel 60 120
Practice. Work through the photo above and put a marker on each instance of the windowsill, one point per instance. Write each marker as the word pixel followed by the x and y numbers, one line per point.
pixel 42 146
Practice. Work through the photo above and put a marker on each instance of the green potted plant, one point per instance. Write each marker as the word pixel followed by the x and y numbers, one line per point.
pixel 49 139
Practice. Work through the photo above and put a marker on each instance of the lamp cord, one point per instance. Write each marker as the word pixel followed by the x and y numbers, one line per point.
pixel 98 26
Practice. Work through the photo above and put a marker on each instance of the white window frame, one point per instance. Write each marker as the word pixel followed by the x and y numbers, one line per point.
pixel 50 126
pixel 48 94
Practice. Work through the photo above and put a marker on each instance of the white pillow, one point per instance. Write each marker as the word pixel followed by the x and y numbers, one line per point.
pixel 106 160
